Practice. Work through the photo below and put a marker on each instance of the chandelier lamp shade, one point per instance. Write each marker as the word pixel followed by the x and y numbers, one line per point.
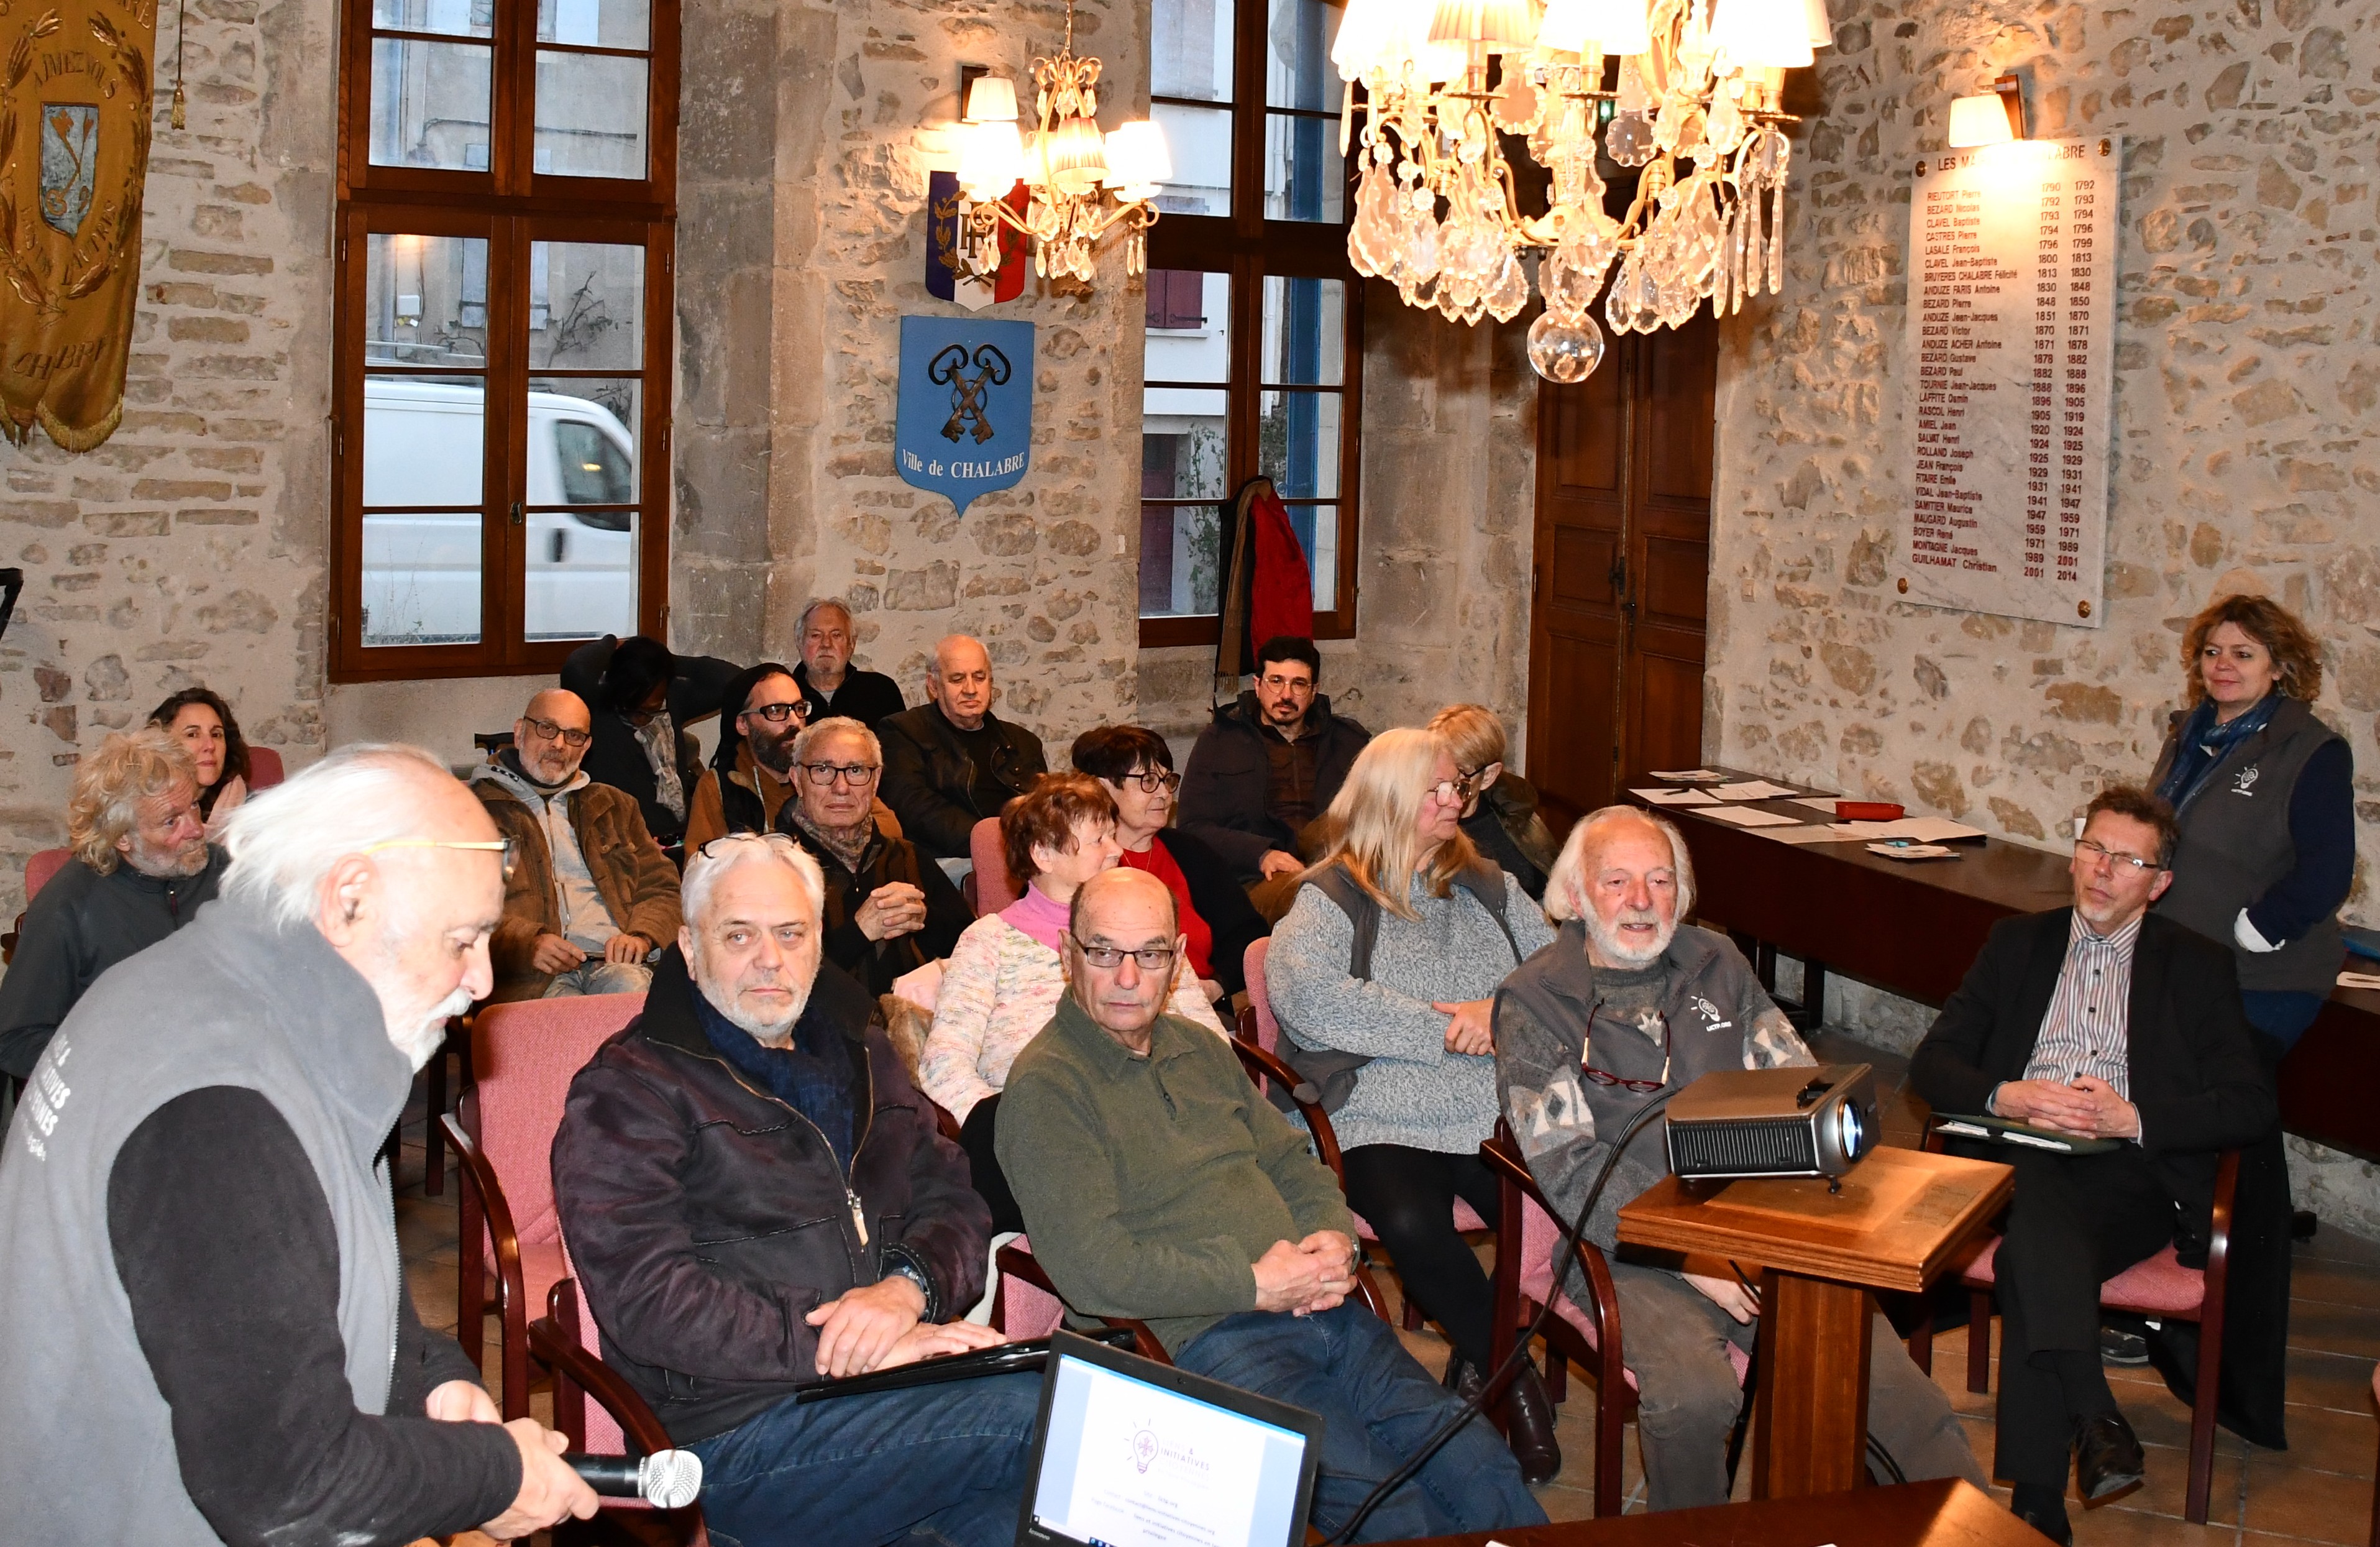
pixel 1084 185
pixel 1688 91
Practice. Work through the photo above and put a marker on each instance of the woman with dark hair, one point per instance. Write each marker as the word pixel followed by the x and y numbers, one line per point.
pixel 199 718
pixel 1136 767
pixel 1005 976
pixel 640 697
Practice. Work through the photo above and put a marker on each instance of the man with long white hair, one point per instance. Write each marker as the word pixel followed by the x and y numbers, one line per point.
pixel 1627 1003
pixel 205 1333
pixel 757 1200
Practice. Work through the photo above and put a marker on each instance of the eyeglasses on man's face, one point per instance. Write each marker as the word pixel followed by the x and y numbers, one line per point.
pixel 719 846
pixel 1107 958
pixel 504 846
pixel 856 774
pixel 2092 852
pixel 775 713
pixel 569 737
pixel 1152 780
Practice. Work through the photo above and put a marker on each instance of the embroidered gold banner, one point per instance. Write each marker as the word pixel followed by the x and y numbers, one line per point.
pixel 75 103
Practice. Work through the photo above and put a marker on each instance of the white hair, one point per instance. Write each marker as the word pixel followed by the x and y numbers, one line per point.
pixel 722 854
pixel 1566 886
pixel 283 841
pixel 837 724
pixel 822 604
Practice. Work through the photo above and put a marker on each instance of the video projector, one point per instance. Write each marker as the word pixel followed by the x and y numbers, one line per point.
pixel 1796 1121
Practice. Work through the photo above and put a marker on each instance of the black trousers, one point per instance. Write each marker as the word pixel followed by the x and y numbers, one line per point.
pixel 2076 1221
pixel 983 1164
pixel 1407 1197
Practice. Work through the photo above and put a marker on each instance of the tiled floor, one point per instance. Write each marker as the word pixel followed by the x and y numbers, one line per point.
pixel 2319 1490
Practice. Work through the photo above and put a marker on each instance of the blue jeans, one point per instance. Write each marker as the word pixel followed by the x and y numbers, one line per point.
pixel 946 1462
pixel 597 976
pixel 2280 1016
pixel 1378 1406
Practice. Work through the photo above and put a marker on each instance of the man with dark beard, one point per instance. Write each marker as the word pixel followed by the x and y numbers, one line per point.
pixel 226 1352
pixel 141 866
pixel 751 774
pixel 757 1198
pixel 1625 1003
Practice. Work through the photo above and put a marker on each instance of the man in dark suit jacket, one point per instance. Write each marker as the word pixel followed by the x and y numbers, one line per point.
pixel 2099 1021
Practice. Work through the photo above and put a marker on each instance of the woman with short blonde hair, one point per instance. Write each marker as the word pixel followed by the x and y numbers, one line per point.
pixel 1500 819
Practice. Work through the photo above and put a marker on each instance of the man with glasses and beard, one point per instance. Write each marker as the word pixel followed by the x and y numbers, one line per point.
pixel 592 894
pixel 141 866
pixel 888 909
pixel 1625 1003
pixel 205 1333
pixel 750 775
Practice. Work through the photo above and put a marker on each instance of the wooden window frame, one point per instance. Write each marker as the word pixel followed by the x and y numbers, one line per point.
pixel 510 204
pixel 1250 248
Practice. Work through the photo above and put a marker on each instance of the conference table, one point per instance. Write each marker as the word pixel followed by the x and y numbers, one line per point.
pixel 1913 927
pixel 1946 1513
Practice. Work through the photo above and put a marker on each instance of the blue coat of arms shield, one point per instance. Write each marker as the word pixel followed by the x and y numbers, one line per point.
pixel 964 425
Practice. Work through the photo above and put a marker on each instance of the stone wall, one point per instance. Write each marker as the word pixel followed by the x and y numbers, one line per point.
pixel 190 546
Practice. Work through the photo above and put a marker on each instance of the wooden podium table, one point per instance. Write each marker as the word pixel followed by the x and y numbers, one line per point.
pixel 1949 1512
pixel 1898 1223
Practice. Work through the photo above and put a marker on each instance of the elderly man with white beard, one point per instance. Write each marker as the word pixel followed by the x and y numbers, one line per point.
pixel 205 1333
pixel 1625 1003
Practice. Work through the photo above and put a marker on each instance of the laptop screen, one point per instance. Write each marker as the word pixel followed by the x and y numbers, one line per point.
pixel 1128 1463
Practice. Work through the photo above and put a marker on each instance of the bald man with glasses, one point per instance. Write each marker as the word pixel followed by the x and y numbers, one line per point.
pixel 589 895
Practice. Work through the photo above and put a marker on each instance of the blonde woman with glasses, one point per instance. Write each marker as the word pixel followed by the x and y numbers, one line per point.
pixel 1381 973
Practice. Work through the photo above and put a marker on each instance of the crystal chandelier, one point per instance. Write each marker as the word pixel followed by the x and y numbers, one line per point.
pixel 1070 170
pixel 1695 102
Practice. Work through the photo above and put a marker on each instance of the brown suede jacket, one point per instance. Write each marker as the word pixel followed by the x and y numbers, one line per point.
pixel 636 882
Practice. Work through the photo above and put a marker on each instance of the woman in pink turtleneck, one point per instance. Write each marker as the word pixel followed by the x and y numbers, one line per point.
pixel 1005 977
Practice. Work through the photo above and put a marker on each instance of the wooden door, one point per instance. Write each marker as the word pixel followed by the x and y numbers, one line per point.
pixel 1623 547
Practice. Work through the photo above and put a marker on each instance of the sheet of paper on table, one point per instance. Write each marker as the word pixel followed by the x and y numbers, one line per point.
pixel 1750 816
pixel 1752 789
pixel 2359 979
pixel 1675 797
pixel 1802 832
pixel 1823 805
pixel 1925 830
pixel 1688 775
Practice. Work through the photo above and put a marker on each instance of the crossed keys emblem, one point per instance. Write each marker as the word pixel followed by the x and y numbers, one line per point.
pixel 949 368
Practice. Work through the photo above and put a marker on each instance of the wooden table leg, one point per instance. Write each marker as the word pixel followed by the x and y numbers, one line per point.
pixel 1812 1404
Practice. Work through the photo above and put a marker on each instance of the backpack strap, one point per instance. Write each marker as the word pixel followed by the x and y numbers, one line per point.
pixel 1485 880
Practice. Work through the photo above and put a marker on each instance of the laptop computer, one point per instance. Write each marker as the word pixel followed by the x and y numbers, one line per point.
pixel 1131 1452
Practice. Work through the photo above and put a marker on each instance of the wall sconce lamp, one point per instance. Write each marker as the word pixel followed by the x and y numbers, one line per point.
pixel 1992 117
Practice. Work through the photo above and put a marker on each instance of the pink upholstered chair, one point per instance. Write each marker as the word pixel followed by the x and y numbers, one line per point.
pixel 525 1056
pixel 1256 1024
pixel 263 768
pixel 620 1424
pixel 994 887
pixel 42 864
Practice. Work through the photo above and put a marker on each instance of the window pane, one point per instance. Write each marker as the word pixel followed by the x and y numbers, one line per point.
pixel 590 115
pixel 586 306
pixel 581 574
pixel 582 440
pixel 1200 141
pixel 1305 177
pixel 1297 442
pixel 1190 49
pixel 421 579
pixel 469 19
pixel 1299 35
pixel 1181 444
pixel 596 23
pixel 1304 332
pixel 429 103
pixel 1189 326
pixel 1317 532
pixel 1179 549
pixel 425 300
pixel 424 440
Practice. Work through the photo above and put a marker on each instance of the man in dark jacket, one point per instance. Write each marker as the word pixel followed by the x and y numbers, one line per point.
pixel 761 711
pixel 142 867
pixel 2098 1021
pixel 757 1198
pixel 643 698
pixel 888 910
pixel 831 686
pixel 951 762
pixel 1266 766
pixel 205 1333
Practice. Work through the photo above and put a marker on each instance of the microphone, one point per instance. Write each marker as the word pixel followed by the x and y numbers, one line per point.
pixel 665 1480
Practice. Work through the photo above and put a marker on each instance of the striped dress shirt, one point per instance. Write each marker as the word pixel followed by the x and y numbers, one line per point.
pixel 2085 1032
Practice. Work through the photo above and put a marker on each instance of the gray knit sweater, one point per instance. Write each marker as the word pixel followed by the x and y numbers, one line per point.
pixel 1413 1092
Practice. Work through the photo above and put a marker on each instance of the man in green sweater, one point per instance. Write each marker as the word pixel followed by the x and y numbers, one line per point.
pixel 1157 1183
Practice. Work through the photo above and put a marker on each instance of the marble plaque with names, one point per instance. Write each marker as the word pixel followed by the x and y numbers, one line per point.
pixel 2011 334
